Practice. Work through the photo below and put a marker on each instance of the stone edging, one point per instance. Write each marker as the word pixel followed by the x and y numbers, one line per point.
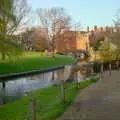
pixel 13 75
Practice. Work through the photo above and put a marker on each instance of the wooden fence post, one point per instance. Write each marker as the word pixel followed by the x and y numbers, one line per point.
pixel 101 70
pixel 62 91
pixel 76 80
pixel 32 109
pixel 92 68
pixel 77 84
pixel 109 69
pixel 117 64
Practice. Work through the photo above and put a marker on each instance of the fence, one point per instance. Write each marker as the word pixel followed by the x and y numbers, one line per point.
pixel 37 108
pixel 105 66
pixel 64 91
pixel 62 96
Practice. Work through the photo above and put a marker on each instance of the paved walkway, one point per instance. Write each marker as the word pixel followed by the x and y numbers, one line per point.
pixel 99 101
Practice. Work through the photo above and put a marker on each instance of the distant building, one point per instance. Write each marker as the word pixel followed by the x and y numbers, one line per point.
pixel 68 40
pixel 105 34
pixel 72 41
pixel 110 32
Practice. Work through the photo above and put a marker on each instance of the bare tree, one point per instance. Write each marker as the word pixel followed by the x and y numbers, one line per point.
pixel 12 16
pixel 21 11
pixel 39 42
pixel 54 21
pixel 116 19
pixel 27 38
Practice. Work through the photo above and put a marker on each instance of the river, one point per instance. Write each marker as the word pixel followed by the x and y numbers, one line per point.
pixel 14 89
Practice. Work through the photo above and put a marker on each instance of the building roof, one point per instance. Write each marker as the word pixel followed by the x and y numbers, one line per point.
pixel 113 37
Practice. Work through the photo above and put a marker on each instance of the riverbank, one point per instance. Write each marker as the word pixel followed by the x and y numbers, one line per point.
pixel 18 110
pixel 33 61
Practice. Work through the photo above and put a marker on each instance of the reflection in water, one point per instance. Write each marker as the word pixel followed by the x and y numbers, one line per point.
pixel 3 84
pixel 15 88
pixel 81 72
pixel 80 77
pixel 2 93
pixel 64 74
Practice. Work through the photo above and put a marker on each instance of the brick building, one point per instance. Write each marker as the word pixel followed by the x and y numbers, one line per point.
pixel 103 35
pixel 98 32
pixel 72 41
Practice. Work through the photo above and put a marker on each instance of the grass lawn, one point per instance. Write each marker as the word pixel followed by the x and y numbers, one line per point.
pixel 18 110
pixel 33 61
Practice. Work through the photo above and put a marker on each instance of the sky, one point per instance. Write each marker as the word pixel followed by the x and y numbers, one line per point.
pixel 87 12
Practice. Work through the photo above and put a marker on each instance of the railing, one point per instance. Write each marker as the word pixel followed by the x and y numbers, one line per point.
pixel 105 66
pixel 63 89
pixel 63 92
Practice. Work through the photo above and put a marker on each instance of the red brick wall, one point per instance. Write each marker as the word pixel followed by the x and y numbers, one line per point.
pixel 71 40
pixel 66 41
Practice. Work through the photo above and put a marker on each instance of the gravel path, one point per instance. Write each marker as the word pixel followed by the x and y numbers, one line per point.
pixel 99 101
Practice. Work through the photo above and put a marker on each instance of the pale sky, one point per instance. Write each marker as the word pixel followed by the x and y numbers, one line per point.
pixel 88 12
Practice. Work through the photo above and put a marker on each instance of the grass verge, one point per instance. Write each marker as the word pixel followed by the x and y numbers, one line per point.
pixel 33 61
pixel 18 110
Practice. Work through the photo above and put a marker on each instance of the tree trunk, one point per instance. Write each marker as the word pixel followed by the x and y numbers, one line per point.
pixel 117 64
pixel 95 55
pixel 3 55
pixel 2 49
pixel 53 55
pixel 53 48
pixel 102 70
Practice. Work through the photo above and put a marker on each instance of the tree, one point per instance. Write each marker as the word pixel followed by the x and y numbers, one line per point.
pixel 95 48
pixel 40 42
pixel 54 21
pixel 117 53
pixel 27 38
pixel 107 52
pixel 97 43
pixel 116 20
pixel 12 16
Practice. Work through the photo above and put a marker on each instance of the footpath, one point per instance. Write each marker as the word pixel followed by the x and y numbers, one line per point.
pixel 99 101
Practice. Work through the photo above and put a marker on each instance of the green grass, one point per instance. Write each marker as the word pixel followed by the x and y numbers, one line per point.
pixel 18 110
pixel 33 61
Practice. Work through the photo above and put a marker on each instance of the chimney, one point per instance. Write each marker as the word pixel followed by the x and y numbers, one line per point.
pixel 95 28
pixel 87 28
pixel 107 29
pixel 101 30
pixel 111 29
pixel 117 29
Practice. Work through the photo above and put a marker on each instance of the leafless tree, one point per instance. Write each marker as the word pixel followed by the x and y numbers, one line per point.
pixel 13 15
pixel 27 38
pixel 21 11
pixel 54 21
pixel 116 19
